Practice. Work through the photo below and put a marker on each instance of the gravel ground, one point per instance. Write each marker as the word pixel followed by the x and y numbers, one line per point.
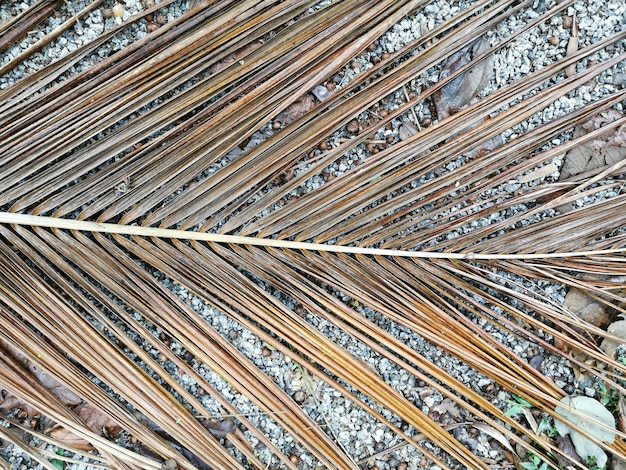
pixel 354 429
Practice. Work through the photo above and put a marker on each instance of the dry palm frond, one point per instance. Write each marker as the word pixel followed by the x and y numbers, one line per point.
pixel 131 171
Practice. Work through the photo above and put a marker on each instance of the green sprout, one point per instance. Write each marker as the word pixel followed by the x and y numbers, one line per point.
pixel 534 463
pixel 517 404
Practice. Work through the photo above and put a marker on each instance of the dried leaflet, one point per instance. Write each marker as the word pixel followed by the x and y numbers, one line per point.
pixel 497 435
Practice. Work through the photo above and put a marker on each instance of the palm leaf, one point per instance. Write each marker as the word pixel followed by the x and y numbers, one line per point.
pixel 121 187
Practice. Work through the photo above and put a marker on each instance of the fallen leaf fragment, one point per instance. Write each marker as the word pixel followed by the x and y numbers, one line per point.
pixel 90 415
pixel 68 397
pixel 462 89
pixel 598 309
pixel 10 401
pixel 406 131
pixel 93 418
pixel 69 438
pixel 447 406
pixel 593 155
pixel 591 417
pixel 608 149
pixel 617 138
pixel 565 445
pixel 297 109
pixel 220 429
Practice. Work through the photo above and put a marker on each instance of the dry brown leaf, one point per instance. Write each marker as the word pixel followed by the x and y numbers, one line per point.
pixel 406 131
pixel 617 139
pixel 606 117
pixel 93 418
pixel 593 310
pixel 566 446
pixel 297 109
pixel 220 428
pixel 598 153
pixel 466 86
pixel 69 438
pixel 447 406
pixel 10 401
pixel 587 158
pixel 68 397
pixel 90 415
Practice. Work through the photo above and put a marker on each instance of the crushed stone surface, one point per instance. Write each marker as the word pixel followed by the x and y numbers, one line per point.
pixel 358 432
